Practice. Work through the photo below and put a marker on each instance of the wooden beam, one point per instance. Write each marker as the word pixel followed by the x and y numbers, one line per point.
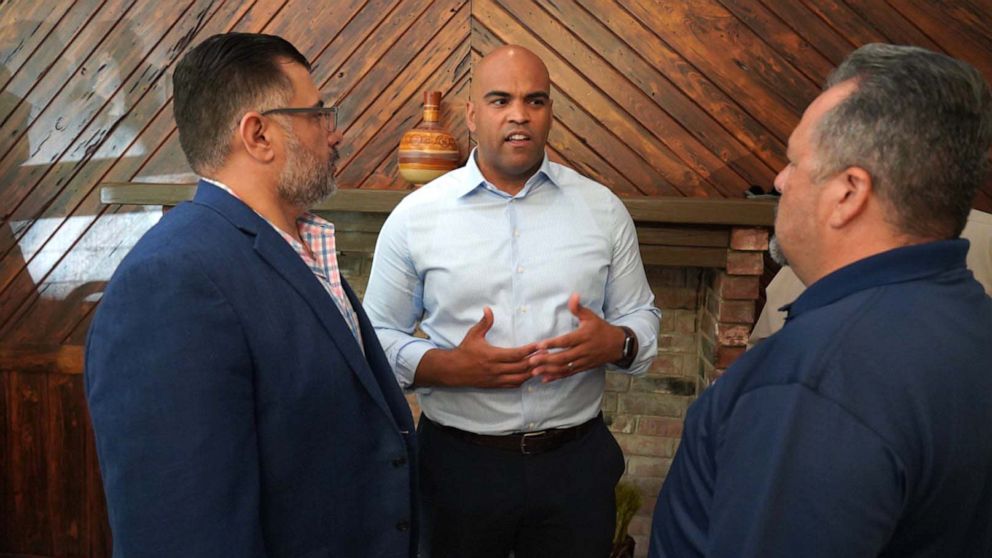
pixel 716 237
pixel 136 193
pixel 669 209
pixel 684 256
pixel 702 211
pixel 60 359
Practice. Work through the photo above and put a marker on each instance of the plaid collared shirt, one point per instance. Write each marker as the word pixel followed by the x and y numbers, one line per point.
pixel 321 258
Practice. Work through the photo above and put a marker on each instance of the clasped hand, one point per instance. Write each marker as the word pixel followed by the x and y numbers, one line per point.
pixel 593 343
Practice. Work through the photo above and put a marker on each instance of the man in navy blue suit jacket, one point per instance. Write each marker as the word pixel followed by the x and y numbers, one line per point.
pixel 241 401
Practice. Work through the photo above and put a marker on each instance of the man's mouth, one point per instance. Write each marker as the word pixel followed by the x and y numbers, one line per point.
pixel 517 138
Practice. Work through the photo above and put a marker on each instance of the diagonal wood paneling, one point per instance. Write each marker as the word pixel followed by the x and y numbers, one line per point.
pixel 113 137
pixel 651 98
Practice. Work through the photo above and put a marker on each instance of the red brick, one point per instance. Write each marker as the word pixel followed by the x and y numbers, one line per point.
pixel 668 321
pixel 690 367
pixel 664 276
pixel 706 371
pixel 609 404
pixel 737 287
pixel 676 343
pixel 621 423
pixel 712 302
pixel 660 426
pixel 666 364
pixel 652 446
pixel 749 238
pixel 615 381
pixel 745 263
pixel 733 335
pixel 686 322
pixel 675 298
pixel 654 404
pixel 679 321
pixel 673 385
pixel 735 311
pixel 707 324
pixel 707 349
pixel 639 466
pixel 648 486
pixel 725 356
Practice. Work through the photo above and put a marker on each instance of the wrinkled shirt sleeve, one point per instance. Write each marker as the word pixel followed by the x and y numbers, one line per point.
pixel 394 300
pixel 629 301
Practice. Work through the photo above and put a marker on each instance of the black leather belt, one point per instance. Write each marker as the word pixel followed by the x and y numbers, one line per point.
pixel 526 443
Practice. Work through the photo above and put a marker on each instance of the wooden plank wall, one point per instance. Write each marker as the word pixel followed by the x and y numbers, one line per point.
pixel 651 98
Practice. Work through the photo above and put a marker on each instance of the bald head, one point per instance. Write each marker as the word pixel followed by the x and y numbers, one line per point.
pixel 509 115
pixel 502 64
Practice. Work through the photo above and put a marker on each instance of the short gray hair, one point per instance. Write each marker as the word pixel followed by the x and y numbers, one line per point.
pixel 921 123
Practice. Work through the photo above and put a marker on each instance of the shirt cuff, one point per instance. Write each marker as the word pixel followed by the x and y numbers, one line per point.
pixel 408 359
pixel 647 343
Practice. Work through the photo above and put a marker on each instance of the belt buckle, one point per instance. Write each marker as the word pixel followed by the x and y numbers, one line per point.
pixel 523 440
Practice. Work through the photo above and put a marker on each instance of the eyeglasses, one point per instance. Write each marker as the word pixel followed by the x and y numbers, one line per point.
pixel 329 115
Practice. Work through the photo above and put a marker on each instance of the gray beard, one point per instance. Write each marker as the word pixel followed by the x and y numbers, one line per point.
pixel 305 181
pixel 775 251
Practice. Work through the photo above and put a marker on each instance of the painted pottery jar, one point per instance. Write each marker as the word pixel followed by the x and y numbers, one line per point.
pixel 428 151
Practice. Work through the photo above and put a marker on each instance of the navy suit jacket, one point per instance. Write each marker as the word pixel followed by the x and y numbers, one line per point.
pixel 234 412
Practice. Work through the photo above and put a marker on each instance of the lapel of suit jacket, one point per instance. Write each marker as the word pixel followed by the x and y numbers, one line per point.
pixel 272 248
pixel 381 369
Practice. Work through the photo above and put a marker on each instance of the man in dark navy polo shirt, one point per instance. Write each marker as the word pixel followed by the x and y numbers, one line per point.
pixel 860 428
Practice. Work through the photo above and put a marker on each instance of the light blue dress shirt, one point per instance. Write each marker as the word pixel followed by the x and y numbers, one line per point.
pixel 459 244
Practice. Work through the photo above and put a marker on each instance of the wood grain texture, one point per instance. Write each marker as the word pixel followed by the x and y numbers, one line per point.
pixel 26 481
pixel 679 99
pixel 99 538
pixel 669 99
pixel 659 209
pixel 66 473
pixel 6 465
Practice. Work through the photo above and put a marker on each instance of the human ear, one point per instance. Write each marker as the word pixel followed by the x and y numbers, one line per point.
pixel 255 135
pixel 470 116
pixel 852 189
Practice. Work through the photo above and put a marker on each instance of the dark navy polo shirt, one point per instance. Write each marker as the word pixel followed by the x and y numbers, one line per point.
pixel 859 429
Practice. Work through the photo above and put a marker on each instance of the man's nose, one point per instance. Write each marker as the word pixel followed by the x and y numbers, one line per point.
pixel 334 138
pixel 780 179
pixel 518 112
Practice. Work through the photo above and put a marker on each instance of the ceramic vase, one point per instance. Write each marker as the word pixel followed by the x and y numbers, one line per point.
pixel 428 151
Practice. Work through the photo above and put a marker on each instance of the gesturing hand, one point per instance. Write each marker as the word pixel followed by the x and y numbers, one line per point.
pixel 594 343
pixel 476 363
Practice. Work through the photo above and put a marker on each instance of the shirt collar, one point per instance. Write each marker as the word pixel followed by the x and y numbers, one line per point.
pixel 474 178
pixel 220 185
pixel 899 265
pixel 307 218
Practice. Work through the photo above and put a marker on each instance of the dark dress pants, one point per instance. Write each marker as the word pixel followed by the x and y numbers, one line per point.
pixel 483 502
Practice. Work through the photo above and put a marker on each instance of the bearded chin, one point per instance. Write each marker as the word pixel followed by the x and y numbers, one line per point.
pixel 776 253
pixel 304 181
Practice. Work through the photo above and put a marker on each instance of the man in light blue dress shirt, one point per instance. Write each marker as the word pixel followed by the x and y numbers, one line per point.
pixel 527 279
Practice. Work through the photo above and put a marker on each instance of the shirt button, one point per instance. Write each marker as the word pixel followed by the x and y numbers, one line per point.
pixel 531 390
pixel 403 525
pixel 516 233
pixel 520 269
pixel 531 425
pixel 399 462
